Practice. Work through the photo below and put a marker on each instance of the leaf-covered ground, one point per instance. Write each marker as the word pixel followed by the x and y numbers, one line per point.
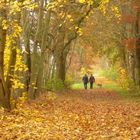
pixel 74 115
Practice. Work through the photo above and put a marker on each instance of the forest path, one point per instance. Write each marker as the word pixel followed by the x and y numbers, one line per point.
pixel 91 95
pixel 101 114
pixel 97 114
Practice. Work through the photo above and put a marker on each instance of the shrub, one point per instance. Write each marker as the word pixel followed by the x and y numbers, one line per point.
pixel 124 81
pixel 69 81
pixel 54 84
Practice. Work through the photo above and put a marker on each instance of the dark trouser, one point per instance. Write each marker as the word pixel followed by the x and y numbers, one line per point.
pixel 91 85
pixel 85 85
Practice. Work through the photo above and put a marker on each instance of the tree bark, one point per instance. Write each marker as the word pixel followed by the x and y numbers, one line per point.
pixel 137 56
pixel 35 59
pixel 3 87
pixel 27 37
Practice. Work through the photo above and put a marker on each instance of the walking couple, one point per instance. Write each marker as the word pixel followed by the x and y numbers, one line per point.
pixel 85 80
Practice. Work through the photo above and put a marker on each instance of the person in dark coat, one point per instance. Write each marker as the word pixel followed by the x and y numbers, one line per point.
pixel 85 81
pixel 91 81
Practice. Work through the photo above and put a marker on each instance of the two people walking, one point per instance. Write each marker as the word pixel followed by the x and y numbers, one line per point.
pixel 85 80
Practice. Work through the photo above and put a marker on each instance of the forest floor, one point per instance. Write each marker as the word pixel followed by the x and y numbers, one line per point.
pixel 98 114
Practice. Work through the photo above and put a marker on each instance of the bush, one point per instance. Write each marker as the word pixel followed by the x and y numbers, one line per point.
pixel 54 84
pixel 124 81
pixel 69 81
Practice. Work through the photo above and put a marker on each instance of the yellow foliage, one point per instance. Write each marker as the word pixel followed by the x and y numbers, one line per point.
pixel 14 7
pixel 6 59
pixel 102 6
pixel 30 5
pixel 82 1
pixel 19 67
pixel 4 24
pixel 69 16
pixel 80 32
pixel 116 11
pixel 123 79
pixel 83 71
pixel 17 84
pixel 16 29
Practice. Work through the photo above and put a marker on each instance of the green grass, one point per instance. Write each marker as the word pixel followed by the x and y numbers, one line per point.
pixel 132 94
pixel 115 87
pixel 78 86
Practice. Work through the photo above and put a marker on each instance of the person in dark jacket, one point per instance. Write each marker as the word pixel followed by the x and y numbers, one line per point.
pixel 91 81
pixel 85 81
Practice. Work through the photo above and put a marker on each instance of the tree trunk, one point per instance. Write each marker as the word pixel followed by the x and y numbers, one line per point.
pixel 26 37
pixel 137 57
pixel 40 82
pixel 10 72
pixel 61 67
pixel 3 87
pixel 35 56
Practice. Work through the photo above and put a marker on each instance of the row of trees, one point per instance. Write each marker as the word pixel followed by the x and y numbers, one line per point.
pixel 39 37
pixel 115 37
pixel 131 37
pixel 35 39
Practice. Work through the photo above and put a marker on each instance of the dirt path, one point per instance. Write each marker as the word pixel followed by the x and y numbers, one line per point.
pixel 75 115
pixel 94 94
pixel 102 114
